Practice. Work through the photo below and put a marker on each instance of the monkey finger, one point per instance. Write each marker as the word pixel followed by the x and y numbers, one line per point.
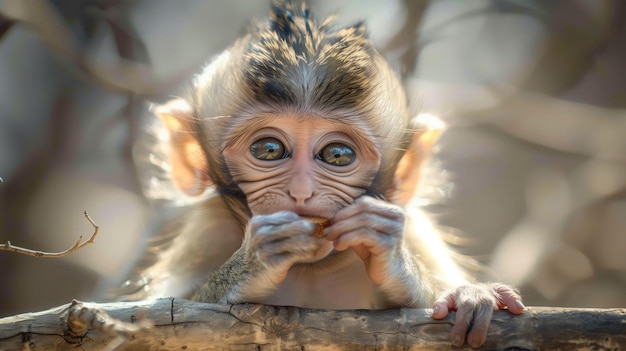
pixel 348 240
pixel 509 298
pixel 287 252
pixel 370 205
pixel 482 318
pixel 376 243
pixel 462 324
pixel 278 218
pixel 378 253
pixel 296 246
pixel 281 259
pixel 443 305
pixel 370 222
pixel 271 232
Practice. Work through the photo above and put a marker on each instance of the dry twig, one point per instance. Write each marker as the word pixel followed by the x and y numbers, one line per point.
pixel 77 246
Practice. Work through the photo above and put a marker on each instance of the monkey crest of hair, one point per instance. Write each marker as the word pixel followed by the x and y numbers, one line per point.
pixel 296 64
pixel 299 62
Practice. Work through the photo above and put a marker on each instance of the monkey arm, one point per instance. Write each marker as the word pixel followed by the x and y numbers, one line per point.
pixel 376 231
pixel 272 245
pixel 409 283
pixel 242 278
pixel 221 287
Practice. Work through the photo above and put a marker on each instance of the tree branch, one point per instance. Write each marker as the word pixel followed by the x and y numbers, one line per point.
pixel 77 246
pixel 180 324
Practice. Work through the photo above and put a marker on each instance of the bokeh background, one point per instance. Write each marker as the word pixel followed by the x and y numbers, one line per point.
pixel 534 93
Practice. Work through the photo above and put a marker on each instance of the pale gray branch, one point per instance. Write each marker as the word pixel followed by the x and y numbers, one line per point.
pixel 180 324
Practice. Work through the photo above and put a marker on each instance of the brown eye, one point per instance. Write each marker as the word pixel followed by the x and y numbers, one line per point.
pixel 268 149
pixel 337 154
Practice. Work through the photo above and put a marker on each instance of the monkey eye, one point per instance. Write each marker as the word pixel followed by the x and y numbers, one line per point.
pixel 336 154
pixel 268 149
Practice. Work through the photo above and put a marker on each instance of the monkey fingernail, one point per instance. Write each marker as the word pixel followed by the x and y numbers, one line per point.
pixel 456 341
pixel 476 343
pixel 520 305
pixel 436 310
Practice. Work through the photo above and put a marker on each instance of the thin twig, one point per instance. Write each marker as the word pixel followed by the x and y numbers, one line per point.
pixel 77 246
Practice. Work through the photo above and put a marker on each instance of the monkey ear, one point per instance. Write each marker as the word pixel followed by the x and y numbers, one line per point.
pixel 427 129
pixel 189 169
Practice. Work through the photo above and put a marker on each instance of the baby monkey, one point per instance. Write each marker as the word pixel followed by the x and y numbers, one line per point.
pixel 299 122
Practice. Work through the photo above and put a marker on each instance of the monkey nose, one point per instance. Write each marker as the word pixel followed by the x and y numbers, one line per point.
pixel 301 196
pixel 301 188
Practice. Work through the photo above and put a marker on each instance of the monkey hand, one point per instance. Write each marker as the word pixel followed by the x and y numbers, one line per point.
pixel 474 305
pixel 280 240
pixel 374 230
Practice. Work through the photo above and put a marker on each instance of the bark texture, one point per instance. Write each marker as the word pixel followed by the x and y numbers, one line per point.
pixel 176 324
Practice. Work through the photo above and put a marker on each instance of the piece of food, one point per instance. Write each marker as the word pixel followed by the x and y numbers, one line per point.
pixel 321 224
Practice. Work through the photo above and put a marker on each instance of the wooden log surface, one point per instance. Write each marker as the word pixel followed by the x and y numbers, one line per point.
pixel 184 325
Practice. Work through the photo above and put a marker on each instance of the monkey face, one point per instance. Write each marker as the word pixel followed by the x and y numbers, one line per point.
pixel 305 164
